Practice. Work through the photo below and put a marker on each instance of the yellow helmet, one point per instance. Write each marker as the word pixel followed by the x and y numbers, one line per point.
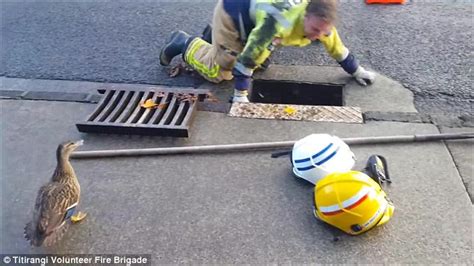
pixel 352 202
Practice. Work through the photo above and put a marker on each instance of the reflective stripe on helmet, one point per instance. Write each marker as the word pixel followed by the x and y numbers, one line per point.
pixel 316 155
pixel 305 168
pixel 327 158
pixel 347 204
pixel 381 210
pixel 313 157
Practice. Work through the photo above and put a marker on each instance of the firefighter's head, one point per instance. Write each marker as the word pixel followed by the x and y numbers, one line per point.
pixel 320 17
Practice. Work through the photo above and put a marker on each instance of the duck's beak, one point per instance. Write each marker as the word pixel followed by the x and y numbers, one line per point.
pixel 79 142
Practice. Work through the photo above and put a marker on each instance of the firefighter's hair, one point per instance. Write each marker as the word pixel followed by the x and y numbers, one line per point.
pixel 325 9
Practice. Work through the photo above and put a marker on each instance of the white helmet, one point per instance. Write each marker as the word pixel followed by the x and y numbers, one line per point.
pixel 317 155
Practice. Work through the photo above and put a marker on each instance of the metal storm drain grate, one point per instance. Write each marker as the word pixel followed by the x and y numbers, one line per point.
pixel 144 112
pixel 344 114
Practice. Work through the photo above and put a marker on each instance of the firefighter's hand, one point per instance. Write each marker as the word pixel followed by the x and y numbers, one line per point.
pixel 364 77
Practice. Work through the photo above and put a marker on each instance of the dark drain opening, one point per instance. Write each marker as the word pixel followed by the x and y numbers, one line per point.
pixel 284 92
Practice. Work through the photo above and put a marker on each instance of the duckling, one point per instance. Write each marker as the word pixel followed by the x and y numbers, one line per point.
pixel 56 202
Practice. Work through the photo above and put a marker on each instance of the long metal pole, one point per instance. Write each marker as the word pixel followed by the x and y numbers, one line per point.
pixel 262 146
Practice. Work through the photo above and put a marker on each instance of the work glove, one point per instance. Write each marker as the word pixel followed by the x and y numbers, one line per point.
pixel 240 96
pixel 363 76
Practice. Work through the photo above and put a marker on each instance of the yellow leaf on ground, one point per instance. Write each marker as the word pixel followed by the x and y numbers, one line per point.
pixel 289 110
pixel 149 104
pixel 175 71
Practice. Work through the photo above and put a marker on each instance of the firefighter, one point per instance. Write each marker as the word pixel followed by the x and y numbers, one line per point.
pixel 245 32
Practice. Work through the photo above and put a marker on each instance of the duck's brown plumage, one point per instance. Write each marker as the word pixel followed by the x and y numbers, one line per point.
pixel 62 193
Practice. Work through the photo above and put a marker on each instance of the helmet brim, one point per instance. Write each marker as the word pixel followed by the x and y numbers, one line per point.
pixel 296 173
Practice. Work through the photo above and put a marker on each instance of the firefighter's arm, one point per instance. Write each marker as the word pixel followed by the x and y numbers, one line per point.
pixel 255 52
pixel 336 49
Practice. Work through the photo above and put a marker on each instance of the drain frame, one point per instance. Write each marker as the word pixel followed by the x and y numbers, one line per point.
pixel 120 112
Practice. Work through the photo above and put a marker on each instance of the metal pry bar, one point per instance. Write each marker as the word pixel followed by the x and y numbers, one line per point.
pixel 264 146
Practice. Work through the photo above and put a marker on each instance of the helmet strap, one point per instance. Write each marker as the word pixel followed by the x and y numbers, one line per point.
pixel 377 169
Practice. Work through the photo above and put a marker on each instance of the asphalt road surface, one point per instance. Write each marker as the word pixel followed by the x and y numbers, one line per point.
pixel 425 45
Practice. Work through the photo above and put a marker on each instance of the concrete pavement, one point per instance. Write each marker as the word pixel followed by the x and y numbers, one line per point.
pixel 239 207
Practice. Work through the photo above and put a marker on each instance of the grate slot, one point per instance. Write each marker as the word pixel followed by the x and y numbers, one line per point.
pixel 121 106
pixel 180 113
pixel 103 102
pixel 138 109
pixel 148 112
pixel 169 112
pixel 189 114
pixel 130 107
pixel 155 112
pixel 111 105
pixel 158 115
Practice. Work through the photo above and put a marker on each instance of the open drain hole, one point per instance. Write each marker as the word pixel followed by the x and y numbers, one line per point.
pixel 285 92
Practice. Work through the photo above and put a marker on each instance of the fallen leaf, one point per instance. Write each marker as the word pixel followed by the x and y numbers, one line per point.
pixel 149 104
pixel 289 110
pixel 162 105
pixel 175 71
pixel 160 94
pixel 186 97
pixel 211 98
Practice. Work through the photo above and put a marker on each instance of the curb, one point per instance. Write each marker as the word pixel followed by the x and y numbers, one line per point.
pixel 50 96
pixel 92 98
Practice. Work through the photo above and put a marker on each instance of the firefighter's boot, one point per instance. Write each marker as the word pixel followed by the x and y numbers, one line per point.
pixel 176 45
pixel 207 33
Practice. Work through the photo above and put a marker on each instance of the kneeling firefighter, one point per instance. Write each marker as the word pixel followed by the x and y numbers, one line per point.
pixel 245 32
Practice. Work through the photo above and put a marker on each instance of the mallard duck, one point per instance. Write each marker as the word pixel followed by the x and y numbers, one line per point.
pixel 56 203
